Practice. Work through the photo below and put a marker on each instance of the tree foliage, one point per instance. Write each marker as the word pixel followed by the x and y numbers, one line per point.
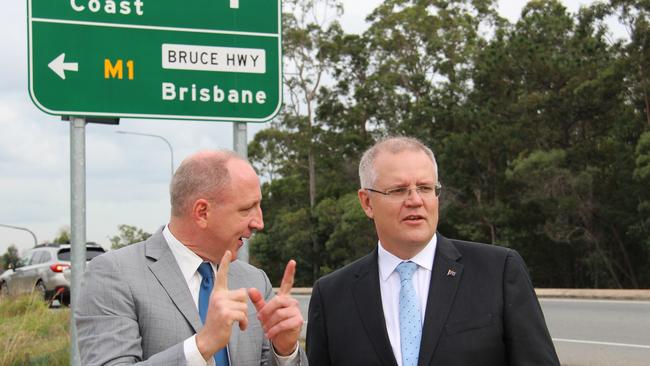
pixel 540 129
pixel 128 234
pixel 63 237
pixel 10 257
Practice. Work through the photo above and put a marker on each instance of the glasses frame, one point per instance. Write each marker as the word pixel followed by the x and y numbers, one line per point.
pixel 437 189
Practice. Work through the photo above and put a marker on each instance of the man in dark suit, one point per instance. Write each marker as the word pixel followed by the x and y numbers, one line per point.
pixel 158 302
pixel 420 298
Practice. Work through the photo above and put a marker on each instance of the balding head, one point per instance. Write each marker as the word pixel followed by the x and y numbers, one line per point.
pixel 201 175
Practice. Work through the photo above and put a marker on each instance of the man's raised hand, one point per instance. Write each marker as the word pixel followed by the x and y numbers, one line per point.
pixel 280 317
pixel 225 308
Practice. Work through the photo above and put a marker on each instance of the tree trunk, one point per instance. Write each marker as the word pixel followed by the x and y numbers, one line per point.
pixel 606 259
pixel 311 162
pixel 644 81
pixel 629 269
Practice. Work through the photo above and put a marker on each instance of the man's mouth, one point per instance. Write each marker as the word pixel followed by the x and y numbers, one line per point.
pixel 413 218
pixel 244 237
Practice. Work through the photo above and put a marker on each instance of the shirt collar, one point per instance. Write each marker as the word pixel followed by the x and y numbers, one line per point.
pixel 388 261
pixel 187 260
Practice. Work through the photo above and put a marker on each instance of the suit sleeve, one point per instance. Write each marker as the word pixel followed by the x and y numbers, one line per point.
pixel 317 344
pixel 107 325
pixel 528 341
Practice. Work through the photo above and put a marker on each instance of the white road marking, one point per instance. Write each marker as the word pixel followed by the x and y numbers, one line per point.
pixel 549 299
pixel 601 343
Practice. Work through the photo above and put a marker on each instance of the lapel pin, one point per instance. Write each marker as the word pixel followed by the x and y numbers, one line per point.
pixel 451 273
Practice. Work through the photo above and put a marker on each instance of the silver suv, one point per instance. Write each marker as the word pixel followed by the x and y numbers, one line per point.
pixel 41 270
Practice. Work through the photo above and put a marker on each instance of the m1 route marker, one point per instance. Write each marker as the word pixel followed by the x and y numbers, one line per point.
pixel 197 59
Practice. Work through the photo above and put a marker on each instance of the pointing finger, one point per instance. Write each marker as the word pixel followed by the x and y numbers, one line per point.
pixel 222 271
pixel 287 279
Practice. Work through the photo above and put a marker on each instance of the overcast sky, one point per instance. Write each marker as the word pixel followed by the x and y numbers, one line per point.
pixel 127 176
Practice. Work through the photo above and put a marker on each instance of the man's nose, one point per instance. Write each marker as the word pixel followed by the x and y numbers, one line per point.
pixel 413 198
pixel 257 223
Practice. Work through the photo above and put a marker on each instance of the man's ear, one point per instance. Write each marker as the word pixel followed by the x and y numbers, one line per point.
pixel 200 211
pixel 364 199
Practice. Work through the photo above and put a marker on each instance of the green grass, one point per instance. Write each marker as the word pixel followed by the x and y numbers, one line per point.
pixel 33 334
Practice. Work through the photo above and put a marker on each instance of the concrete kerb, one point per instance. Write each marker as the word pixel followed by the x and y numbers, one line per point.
pixel 567 293
pixel 600 294
pixel 299 291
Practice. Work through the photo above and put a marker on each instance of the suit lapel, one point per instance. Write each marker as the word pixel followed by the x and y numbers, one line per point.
pixel 235 282
pixel 166 270
pixel 367 297
pixel 445 277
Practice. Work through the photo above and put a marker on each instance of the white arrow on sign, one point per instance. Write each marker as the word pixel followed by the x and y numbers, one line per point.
pixel 59 66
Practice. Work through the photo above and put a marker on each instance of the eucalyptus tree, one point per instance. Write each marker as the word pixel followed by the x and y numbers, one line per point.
pixel 308 26
pixel 289 152
pixel 550 95
pixel 634 15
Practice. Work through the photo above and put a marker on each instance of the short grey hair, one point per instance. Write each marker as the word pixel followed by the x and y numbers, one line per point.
pixel 393 145
pixel 202 175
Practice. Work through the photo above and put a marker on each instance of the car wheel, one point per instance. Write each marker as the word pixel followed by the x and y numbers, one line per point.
pixel 64 298
pixel 39 289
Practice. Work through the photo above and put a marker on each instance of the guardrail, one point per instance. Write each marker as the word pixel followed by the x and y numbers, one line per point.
pixel 569 293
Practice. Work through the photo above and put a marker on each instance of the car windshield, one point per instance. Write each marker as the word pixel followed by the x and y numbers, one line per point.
pixel 24 261
pixel 64 254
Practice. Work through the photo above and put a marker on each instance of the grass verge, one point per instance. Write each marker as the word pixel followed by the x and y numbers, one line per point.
pixel 33 334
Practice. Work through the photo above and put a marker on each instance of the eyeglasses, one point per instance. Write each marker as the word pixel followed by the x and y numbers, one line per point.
pixel 402 193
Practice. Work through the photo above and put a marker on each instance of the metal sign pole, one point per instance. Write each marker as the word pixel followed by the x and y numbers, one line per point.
pixel 78 222
pixel 239 141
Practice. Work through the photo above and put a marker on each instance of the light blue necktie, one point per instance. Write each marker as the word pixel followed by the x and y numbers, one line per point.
pixel 410 327
pixel 205 269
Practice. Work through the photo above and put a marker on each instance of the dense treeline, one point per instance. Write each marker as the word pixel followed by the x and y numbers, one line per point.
pixel 540 128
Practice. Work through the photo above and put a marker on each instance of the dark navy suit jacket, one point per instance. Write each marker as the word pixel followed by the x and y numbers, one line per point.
pixel 482 311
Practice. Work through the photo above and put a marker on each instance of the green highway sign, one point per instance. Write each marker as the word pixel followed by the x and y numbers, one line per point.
pixel 194 59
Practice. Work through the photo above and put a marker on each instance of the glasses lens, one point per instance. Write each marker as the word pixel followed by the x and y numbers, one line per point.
pixel 424 191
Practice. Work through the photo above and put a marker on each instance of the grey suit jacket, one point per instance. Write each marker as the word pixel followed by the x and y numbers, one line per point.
pixel 135 307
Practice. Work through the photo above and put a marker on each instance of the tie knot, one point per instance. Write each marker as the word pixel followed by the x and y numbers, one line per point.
pixel 205 269
pixel 406 270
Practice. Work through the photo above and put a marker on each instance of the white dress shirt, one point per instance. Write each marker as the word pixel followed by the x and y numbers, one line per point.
pixel 389 285
pixel 189 263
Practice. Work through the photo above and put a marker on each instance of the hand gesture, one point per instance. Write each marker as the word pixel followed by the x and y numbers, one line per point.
pixel 280 317
pixel 225 308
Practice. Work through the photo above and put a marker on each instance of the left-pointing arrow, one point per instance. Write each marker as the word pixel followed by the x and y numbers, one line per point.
pixel 59 66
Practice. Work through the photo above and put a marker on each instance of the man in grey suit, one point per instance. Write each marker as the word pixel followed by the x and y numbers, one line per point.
pixel 141 303
pixel 420 298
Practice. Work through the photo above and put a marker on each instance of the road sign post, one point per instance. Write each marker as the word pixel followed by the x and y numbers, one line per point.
pixel 197 59
pixel 78 223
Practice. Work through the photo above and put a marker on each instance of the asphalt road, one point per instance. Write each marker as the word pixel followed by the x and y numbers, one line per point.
pixel 590 332
pixel 599 332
